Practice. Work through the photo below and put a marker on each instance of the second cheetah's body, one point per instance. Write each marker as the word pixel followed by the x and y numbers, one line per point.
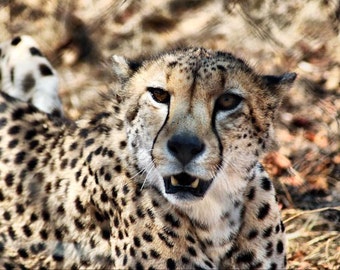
pixel 164 174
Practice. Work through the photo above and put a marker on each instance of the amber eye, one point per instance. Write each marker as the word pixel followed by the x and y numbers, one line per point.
pixel 227 102
pixel 159 95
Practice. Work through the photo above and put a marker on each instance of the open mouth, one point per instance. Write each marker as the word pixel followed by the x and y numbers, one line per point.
pixel 185 183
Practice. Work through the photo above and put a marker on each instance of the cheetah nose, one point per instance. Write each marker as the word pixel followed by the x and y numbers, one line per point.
pixel 185 147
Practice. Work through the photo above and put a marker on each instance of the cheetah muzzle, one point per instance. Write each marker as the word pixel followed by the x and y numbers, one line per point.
pixel 185 148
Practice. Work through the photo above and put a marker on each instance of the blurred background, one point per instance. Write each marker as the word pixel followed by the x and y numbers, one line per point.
pixel 79 36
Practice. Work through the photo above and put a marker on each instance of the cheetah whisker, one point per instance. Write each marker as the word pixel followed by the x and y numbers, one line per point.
pixel 149 169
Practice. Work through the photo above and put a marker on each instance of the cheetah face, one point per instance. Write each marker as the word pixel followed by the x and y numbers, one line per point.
pixel 197 121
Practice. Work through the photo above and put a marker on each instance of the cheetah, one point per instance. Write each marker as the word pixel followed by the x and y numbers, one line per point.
pixel 27 75
pixel 163 174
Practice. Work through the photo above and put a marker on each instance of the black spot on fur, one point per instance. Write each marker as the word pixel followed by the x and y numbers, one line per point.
pixel 192 251
pixel 266 184
pixel 3 106
pixel 136 241
pixel 11 72
pixel 98 150
pixel 45 70
pixel 279 247
pixel 269 249
pixel 9 179
pixel 106 234
pixel 15 41
pixel 170 264
pixel 32 164
pixel 34 217
pixel 154 254
pixel 172 220
pixel 273 266
pixel 73 163
pixel 7 215
pixel 12 233
pixel 13 143
pixel 2 247
pixel 14 130
pixel 22 253
pixel 118 169
pixel 20 208
pixel 63 163
pixel 147 237
pixel 252 234
pixel 190 239
pixel 83 133
pixel 73 146
pixel 139 266
pixel 103 197
pixel 18 114
pixel 165 239
pixel 59 234
pixel 43 234
pixel 89 142
pixel 79 225
pixel 222 68
pixel 37 248
pixel 45 215
pixel 277 228
pixel 172 64
pixel 184 260
pixel 245 257
pixel 267 232
pixel 282 226
pixel 27 230
pixel 122 145
pixel 33 144
pixel 263 211
pixel 28 83
pixel 35 52
pixel 58 254
pixel 79 206
pixel 209 264
pixel 251 194
pixel 3 122
pixel 30 134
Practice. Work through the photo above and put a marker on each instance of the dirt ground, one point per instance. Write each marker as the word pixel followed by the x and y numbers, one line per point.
pixel 303 36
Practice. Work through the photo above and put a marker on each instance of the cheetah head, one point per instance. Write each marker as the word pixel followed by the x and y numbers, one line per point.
pixel 197 121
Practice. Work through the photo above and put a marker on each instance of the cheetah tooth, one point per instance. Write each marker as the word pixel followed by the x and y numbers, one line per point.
pixel 195 183
pixel 174 181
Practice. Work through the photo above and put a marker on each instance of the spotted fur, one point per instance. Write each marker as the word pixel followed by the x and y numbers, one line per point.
pixel 27 75
pixel 163 174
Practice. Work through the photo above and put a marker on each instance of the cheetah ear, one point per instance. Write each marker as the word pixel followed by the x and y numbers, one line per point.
pixel 279 84
pixel 124 68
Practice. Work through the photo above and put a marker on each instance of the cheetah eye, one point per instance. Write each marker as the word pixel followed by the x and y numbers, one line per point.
pixel 159 95
pixel 228 102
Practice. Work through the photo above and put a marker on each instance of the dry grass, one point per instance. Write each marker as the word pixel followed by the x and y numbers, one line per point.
pixel 313 241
